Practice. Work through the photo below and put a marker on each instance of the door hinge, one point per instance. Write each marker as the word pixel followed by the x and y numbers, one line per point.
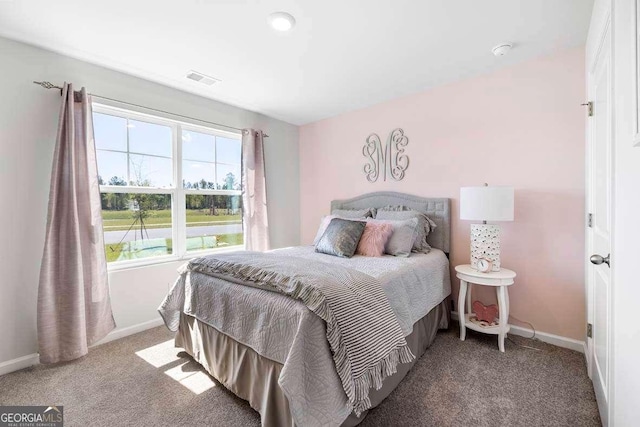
pixel 589 106
pixel 590 220
pixel 589 330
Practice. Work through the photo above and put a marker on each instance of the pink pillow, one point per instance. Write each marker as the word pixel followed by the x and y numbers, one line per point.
pixel 374 238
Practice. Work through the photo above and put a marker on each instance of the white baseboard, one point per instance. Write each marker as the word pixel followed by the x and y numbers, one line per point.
pixel 19 363
pixel 129 330
pixel 34 359
pixel 556 340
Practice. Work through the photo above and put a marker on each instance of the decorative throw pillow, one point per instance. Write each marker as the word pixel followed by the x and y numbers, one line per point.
pixel 425 224
pixel 402 238
pixel 364 214
pixel 324 223
pixel 354 213
pixel 374 238
pixel 341 237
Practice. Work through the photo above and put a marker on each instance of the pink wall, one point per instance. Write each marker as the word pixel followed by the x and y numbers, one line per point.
pixel 521 126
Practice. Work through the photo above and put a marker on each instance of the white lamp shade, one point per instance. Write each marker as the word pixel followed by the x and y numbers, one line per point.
pixel 486 203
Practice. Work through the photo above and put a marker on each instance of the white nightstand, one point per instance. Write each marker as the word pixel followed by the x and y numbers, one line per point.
pixel 500 280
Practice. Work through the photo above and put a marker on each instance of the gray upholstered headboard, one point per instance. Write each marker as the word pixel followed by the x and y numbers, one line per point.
pixel 438 209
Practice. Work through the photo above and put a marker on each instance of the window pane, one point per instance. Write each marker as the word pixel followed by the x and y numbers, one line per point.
pixel 198 146
pixel 213 221
pixel 198 175
pixel 149 138
pixel 229 177
pixel 140 153
pixel 110 132
pixel 229 150
pixel 112 167
pixel 136 226
pixel 149 171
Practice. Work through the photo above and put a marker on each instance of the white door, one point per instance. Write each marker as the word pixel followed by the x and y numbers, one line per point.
pixel 599 186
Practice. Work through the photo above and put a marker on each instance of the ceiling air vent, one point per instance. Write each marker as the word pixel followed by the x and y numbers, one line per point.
pixel 202 78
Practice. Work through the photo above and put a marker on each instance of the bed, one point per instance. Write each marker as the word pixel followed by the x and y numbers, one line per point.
pixel 272 351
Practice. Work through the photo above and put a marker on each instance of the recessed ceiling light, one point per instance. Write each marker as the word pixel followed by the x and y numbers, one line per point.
pixel 282 21
pixel 502 49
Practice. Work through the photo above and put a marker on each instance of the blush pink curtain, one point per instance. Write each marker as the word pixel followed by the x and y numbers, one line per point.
pixel 254 191
pixel 74 308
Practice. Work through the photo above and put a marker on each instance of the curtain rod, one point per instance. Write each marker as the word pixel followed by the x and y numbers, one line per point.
pixel 49 85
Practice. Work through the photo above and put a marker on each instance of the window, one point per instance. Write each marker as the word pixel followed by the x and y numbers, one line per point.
pixel 168 189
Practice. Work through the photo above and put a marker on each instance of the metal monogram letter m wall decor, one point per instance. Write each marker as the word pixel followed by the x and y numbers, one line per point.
pixel 389 158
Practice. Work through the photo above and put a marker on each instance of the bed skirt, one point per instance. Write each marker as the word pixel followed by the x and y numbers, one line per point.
pixel 254 378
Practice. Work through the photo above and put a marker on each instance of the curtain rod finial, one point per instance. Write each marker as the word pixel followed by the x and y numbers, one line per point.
pixel 47 85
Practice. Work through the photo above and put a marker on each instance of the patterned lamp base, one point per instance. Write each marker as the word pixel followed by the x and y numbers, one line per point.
pixel 485 243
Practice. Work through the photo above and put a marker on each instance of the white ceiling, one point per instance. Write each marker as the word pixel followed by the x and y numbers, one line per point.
pixel 342 54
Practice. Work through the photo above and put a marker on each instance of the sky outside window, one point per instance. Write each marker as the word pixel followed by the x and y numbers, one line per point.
pixel 149 160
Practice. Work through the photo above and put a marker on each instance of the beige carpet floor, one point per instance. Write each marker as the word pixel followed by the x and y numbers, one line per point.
pixel 142 380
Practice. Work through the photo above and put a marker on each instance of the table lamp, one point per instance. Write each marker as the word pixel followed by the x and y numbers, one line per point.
pixel 484 204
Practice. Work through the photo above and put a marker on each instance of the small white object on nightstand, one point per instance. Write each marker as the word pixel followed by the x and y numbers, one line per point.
pixel 500 280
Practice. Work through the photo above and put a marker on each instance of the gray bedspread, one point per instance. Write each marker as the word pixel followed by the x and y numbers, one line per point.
pixel 286 331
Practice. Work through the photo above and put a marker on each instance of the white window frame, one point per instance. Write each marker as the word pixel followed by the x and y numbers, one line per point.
pixel 177 192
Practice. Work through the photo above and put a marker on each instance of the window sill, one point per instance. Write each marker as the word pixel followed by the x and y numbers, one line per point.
pixel 143 263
